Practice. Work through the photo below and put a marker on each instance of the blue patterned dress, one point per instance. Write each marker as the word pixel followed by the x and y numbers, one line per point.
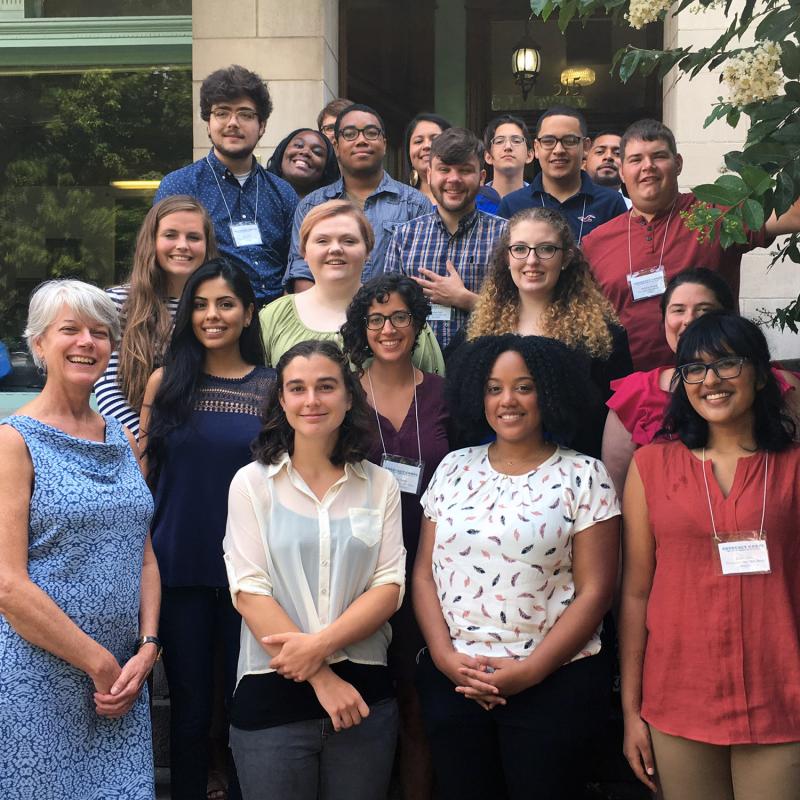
pixel 89 514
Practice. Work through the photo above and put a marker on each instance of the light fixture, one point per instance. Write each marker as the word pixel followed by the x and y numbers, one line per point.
pixel 526 62
pixel 577 77
pixel 134 186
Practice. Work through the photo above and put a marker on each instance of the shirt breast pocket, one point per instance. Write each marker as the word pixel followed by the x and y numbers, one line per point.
pixel 366 525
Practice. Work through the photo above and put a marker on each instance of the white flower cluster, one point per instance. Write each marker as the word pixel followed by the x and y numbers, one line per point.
pixel 640 12
pixel 754 75
pixel 699 8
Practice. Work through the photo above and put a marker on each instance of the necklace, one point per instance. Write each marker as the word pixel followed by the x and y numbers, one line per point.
pixel 539 457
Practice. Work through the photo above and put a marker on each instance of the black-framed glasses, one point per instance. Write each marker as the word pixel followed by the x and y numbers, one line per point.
pixel 723 368
pixel 241 114
pixel 350 133
pixel 399 319
pixel 544 252
pixel 515 140
pixel 570 141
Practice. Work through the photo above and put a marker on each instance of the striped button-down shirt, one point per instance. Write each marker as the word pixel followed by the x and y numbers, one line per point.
pixel 426 242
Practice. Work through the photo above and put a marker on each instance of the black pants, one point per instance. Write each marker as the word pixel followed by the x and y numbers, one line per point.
pixel 194 621
pixel 533 748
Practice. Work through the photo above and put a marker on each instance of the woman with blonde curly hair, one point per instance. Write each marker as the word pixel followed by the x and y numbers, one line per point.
pixel 539 284
pixel 176 237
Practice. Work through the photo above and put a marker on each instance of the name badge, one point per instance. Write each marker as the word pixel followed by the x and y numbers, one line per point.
pixel 742 553
pixel 407 472
pixel 647 283
pixel 440 313
pixel 245 234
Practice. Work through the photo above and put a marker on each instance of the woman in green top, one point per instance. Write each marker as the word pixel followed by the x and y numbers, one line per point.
pixel 335 240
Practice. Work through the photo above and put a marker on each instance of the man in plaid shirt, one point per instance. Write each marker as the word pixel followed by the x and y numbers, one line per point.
pixel 448 251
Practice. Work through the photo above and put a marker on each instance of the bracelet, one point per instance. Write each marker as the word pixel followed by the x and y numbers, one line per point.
pixel 150 640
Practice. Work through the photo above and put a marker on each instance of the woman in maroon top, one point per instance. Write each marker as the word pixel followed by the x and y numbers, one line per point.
pixel 710 615
pixel 383 323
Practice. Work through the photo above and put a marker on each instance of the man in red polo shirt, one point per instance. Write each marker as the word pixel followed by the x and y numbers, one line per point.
pixel 634 255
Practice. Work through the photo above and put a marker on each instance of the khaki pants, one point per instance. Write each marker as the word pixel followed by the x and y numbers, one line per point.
pixel 689 770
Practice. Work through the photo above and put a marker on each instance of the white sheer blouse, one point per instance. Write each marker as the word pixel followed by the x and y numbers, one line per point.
pixel 313 557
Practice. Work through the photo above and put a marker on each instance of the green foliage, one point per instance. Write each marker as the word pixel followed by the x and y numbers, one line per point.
pixel 764 176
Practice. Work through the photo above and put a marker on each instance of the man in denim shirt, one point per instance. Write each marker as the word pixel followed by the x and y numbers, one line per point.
pixel 252 210
pixel 360 144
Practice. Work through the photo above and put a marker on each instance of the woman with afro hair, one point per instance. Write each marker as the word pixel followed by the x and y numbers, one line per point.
pixel 516 567
pixel 539 284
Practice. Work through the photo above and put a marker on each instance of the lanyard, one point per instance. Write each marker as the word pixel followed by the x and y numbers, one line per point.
pixel 230 216
pixel 708 497
pixel 583 214
pixel 416 412
pixel 663 244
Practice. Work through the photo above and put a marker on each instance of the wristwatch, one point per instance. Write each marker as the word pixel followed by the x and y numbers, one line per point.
pixel 150 640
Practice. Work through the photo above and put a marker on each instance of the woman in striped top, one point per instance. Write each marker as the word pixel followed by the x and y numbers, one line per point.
pixel 176 237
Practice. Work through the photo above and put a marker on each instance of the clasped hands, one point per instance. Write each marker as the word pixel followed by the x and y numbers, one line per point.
pixel 116 688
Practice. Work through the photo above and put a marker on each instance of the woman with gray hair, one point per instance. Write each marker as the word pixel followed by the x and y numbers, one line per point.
pixel 79 585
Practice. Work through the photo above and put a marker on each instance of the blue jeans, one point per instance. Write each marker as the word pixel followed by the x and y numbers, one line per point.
pixel 309 760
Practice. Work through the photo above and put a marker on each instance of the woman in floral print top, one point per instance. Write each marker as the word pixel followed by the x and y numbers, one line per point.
pixel 516 567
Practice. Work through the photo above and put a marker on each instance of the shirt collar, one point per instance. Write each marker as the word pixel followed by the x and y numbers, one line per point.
pixel 355 468
pixel 465 223
pixel 219 167
pixel 337 189
pixel 587 186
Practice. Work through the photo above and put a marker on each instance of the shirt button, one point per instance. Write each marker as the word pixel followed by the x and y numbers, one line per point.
pixel 649 227
pixel 648 238
pixel 324 591
pixel 243 216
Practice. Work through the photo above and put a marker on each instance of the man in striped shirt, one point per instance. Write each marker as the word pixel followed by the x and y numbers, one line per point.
pixel 448 251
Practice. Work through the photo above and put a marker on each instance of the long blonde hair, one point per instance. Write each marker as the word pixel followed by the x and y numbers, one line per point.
pixel 146 320
pixel 578 315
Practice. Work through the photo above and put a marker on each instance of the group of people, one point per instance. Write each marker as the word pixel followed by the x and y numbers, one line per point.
pixel 362 458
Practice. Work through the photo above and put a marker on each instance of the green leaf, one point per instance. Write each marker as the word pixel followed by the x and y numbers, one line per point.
pixel 735 161
pixel 735 184
pixel 537 6
pixel 784 193
pixel 717 194
pixel 753 214
pixel 566 13
pixel 630 61
pixel 725 239
pixel 790 59
pixel 756 178
pixel 767 153
pixel 732 118
pixel 788 133
pixel 719 110
pixel 792 90
pixel 775 24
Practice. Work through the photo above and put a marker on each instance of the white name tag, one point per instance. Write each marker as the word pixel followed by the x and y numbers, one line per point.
pixel 440 313
pixel 245 234
pixel 407 472
pixel 647 283
pixel 744 557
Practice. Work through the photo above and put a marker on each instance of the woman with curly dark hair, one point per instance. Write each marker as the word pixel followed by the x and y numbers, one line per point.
pixel 316 567
pixel 305 159
pixel 516 567
pixel 409 439
pixel 539 284
pixel 711 586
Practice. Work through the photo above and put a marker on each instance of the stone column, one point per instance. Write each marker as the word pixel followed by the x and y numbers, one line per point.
pixel 293 45
pixel 686 105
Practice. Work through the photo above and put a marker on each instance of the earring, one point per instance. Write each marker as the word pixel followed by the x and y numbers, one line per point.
pixel 413 178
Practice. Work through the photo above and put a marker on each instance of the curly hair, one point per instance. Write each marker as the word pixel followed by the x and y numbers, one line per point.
pixel 230 83
pixel 146 321
pixel 561 385
pixel 578 315
pixel 716 335
pixel 378 289
pixel 276 436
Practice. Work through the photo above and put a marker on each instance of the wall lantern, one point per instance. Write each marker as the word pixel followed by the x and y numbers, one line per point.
pixel 526 62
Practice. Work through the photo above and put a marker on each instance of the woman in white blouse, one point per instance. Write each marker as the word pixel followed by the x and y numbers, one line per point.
pixel 315 559
pixel 516 567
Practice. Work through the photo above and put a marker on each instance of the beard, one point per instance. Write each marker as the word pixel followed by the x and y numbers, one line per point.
pixel 611 180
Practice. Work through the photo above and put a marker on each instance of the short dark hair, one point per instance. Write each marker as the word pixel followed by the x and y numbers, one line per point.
pixel 716 335
pixel 425 116
pixel 231 82
pixel 506 119
pixel 563 111
pixel 648 130
pixel 561 385
pixel 703 276
pixel 354 330
pixel 606 133
pixel 333 109
pixel 330 170
pixel 357 107
pixel 457 146
pixel 276 436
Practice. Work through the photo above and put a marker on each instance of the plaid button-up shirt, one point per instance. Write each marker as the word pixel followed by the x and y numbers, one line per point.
pixel 426 242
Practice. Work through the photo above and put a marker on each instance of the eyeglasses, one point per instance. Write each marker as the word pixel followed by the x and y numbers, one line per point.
pixel 724 368
pixel 570 141
pixel 326 129
pixel 516 141
pixel 544 252
pixel 241 114
pixel 399 319
pixel 350 133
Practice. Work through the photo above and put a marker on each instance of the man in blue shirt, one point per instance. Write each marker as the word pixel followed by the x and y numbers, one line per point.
pixel 448 251
pixel 509 148
pixel 252 209
pixel 360 145
pixel 561 137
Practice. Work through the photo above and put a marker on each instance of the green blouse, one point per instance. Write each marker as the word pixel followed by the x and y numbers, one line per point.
pixel 282 328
